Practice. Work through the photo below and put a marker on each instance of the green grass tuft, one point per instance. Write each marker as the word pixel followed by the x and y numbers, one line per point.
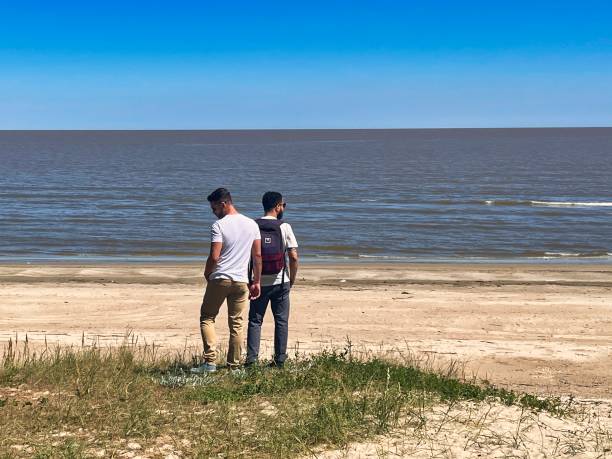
pixel 69 402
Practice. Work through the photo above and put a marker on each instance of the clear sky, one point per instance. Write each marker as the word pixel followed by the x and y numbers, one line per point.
pixel 310 64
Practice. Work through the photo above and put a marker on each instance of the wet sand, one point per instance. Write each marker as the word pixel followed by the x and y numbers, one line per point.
pixel 538 328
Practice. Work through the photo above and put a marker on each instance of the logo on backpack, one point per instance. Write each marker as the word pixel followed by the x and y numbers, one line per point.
pixel 268 240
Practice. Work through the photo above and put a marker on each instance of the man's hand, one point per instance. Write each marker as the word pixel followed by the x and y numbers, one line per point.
pixel 254 290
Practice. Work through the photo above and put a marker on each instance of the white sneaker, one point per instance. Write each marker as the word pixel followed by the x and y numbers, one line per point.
pixel 204 368
pixel 239 372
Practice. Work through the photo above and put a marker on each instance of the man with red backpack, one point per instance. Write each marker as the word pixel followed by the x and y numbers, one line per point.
pixel 277 277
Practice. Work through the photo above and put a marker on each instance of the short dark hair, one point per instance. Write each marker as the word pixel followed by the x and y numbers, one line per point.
pixel 220 194
pixel 271 199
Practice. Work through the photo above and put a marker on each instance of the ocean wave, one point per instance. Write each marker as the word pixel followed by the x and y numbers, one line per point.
pixel 511 202
pixel 493 256
pixel 506 202
pixel 570 204
pixel 548 255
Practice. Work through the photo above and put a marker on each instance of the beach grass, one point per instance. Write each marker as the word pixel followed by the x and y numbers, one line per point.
pixel 119 401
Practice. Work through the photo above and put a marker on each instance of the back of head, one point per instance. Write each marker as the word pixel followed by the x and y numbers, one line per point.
pixel 270 200
pixel 220 194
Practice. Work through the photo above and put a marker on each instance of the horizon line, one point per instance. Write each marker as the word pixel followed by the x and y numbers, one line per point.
pixel 298 129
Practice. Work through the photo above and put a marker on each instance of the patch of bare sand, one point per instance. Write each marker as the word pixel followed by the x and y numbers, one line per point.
pixel 490 430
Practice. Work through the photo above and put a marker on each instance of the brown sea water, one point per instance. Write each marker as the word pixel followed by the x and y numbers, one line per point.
pixel 451 194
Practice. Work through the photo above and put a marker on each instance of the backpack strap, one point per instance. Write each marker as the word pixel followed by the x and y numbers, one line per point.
pixel 250 270
pixel 285 268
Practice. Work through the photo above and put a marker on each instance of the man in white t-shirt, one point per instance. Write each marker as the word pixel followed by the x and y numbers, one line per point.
pixel 275 287
pixel 235 239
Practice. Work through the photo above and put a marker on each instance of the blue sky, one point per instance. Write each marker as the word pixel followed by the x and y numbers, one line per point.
pixel 332 64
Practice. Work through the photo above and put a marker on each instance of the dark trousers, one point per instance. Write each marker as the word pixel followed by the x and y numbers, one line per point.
pixel 278 296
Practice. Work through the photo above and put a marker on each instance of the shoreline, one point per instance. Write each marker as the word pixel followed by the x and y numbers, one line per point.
pixel 324 261
pixel 324 273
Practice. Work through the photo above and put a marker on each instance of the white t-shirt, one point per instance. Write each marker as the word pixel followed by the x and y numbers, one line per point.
pixel 290 243
pixel 237 233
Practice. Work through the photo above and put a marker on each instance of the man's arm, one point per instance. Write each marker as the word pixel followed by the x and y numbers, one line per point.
pixel 255 287
pixel 293 265
pixel 213 258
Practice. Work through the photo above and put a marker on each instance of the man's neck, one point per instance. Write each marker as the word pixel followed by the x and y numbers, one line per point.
pixel 271 214
pixel 231 211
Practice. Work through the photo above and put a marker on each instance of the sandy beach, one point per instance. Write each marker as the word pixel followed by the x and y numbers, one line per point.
pixel 538 328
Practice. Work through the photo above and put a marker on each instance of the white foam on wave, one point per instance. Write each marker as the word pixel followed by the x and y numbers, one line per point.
pixel 552 255
pixel 570 204
pixel 501 202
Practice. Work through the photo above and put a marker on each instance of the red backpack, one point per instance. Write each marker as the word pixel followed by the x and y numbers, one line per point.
pixel 272 245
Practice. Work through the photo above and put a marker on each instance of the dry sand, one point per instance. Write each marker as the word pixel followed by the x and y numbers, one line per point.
pixel 539 328
pixel 490 430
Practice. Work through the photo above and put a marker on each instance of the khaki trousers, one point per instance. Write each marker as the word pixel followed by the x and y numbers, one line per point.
pixel 237 296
